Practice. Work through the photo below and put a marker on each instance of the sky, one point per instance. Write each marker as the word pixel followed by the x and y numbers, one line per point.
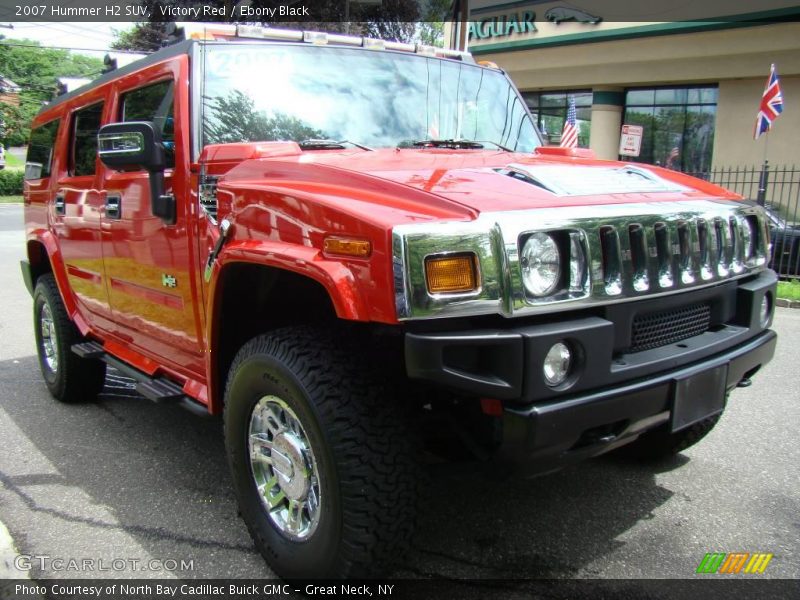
pixel 72 35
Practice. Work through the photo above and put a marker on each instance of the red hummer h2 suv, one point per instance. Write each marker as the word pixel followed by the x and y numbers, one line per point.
pixel 355 250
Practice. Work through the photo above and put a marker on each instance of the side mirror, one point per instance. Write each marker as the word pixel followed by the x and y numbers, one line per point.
pixel 130 146
pixel 134 145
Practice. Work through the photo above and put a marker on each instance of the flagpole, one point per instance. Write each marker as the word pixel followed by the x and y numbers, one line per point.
pixel 763 178
pixel 769 109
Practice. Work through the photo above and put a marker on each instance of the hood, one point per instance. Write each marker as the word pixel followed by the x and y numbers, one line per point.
pixel 475 180
pixel 499 181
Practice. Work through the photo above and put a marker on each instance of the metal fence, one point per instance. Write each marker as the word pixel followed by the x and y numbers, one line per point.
pixel 778 189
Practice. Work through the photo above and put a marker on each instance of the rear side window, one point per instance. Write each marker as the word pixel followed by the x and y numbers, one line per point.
pixel 40 151
pixel 86 123
pixel 154 103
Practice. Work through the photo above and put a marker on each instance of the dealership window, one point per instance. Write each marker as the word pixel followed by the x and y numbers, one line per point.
pixel 549 109
pixel 678 125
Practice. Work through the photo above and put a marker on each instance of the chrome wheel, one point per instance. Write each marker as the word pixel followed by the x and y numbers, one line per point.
pixel 49 338
pixel 284 468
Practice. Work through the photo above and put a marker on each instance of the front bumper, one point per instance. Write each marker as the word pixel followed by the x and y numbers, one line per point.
pixel 553 433
pixel 614 396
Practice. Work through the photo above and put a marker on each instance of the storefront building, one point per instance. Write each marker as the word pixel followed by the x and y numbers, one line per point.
pixel 693 84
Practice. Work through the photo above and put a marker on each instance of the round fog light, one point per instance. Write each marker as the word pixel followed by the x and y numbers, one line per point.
pixel 765 310
pixel 557 364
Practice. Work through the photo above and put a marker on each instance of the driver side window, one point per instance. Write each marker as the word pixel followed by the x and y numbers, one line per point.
pixel 154 103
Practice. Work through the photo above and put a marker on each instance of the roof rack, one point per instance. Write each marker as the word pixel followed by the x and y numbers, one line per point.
pixel 181 30
pixel 115 60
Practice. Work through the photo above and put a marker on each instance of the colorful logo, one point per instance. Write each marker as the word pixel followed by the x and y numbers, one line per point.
pixel 734 562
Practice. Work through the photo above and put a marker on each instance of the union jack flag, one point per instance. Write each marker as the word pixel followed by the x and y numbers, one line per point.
pixel 569 135
pixel 771 104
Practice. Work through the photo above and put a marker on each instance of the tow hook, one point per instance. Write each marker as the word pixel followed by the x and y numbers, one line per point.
pixel 746 382
pixel 225 230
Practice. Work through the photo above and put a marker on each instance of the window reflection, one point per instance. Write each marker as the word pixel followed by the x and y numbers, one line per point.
pixel 678 126
pixel 549 110
pixel 378 99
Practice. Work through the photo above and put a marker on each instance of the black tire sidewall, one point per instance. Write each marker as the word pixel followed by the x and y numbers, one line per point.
pixel 55 380
pixel 260 375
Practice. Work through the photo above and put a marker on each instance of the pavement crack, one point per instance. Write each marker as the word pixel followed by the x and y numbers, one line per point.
pixel 158 532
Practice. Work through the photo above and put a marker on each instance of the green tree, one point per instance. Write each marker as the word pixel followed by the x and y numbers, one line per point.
pixel 434 14
pixel 13 124
pixel 36 70
pixel 235 119
pixel 143 37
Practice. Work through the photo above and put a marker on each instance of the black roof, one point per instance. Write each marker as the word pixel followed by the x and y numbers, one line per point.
pixel 167 52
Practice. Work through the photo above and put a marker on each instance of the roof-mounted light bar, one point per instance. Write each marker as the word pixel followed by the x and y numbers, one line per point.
pixel 259 32
pixel 222 32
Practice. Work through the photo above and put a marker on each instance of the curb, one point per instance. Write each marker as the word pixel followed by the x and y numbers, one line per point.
pixel 7 555
pixel 784 303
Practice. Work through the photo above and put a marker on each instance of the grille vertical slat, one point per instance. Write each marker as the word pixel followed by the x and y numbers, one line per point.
pixel 704 250
pixel 637 236
pixel 737 249
pixel 612 260
pixel 721 235
pixel 664 254
pixel 685 268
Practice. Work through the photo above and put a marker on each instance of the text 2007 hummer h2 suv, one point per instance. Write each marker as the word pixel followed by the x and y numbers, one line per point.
pixel 355 250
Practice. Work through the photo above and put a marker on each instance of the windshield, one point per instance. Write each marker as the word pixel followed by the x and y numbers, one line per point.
pixel 375 98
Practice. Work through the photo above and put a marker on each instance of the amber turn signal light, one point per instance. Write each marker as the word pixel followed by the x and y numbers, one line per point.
pixel 347 247
pixel 451 274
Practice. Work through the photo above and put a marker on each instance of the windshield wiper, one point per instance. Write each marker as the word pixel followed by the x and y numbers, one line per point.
pixel 330 145
pixel 454 144
pixel 503 148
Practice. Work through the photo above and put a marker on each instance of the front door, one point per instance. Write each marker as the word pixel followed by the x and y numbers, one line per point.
pixel 147 261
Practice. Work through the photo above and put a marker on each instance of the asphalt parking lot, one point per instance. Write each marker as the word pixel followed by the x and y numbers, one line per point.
pixel 125 479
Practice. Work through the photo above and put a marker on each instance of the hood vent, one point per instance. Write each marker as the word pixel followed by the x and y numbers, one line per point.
pixel 577 180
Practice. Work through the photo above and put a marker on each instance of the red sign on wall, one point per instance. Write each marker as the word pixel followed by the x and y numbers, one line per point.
pixel 630 142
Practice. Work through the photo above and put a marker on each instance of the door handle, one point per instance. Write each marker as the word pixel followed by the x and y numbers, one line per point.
pixel 60 205
pixel 113 207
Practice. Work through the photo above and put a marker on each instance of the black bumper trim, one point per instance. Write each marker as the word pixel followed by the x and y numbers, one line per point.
pixel 550 434
pixel 506 363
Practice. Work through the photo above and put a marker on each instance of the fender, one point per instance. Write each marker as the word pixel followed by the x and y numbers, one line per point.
pixel 48 240
pixel 336 278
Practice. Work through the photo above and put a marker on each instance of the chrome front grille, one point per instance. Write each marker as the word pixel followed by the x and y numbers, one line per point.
pixel 656 254
pixel 632 250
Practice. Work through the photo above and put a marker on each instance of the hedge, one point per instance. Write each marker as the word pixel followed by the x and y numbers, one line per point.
pixel 11 182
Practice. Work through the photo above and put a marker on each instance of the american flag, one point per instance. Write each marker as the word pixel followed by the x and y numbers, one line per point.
pixel 771 104
pixel 569 135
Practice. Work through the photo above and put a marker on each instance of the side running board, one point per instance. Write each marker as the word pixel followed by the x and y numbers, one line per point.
pixel 157 389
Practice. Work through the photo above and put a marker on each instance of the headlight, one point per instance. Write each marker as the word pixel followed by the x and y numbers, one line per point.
pixel 541 264
pixel 749 238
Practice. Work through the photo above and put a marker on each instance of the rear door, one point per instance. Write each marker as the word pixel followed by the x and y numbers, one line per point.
pixel 77 210
pixel 39 165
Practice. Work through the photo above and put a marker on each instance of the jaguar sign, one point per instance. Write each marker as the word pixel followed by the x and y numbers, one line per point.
pixel 525 22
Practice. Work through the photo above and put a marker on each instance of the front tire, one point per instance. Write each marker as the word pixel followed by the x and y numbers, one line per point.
pixel 69 377
pixel 320 453
pixel 660 443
